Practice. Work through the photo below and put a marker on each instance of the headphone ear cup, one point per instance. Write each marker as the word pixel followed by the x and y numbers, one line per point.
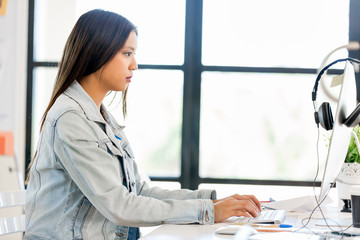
pixel 354 118
pixel 325 116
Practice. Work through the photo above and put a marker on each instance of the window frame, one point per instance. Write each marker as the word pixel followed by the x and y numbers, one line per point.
pixel 192 69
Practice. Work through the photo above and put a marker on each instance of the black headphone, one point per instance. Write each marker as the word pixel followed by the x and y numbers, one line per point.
pixel 324 115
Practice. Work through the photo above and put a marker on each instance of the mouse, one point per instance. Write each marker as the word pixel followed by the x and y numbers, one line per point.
pixel 243 230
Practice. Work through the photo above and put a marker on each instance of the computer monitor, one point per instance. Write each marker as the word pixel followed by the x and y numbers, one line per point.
pixel 341 134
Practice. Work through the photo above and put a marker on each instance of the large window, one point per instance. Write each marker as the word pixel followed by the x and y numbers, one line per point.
pixel 222 94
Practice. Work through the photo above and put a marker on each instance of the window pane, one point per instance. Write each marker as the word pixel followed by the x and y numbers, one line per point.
pixel 161 26
pixel 259 126
pixel 44 79
pixel 53 21
pixel 277 33
pixel 154 120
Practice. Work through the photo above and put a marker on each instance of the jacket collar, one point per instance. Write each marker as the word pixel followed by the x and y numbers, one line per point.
pixel 79 95
pixel 109 118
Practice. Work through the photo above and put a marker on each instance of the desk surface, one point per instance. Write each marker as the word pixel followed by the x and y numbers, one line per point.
pixel 188 232
pixel 207 232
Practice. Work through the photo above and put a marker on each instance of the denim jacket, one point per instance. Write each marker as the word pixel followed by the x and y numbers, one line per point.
pixel 76 186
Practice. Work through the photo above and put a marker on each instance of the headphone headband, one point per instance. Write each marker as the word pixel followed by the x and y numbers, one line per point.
pixel 314 92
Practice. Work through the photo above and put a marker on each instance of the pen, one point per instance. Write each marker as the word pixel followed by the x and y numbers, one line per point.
pixel 266 225
pixel 259 225
pixel 285 225
pixel 262 229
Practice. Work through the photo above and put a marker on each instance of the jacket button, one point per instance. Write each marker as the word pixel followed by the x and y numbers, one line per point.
pixel 133 184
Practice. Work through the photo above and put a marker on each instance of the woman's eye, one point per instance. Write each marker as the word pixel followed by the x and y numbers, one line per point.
pixel 128 54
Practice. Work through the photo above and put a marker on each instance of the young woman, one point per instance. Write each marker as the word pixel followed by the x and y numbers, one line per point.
pixel 83 181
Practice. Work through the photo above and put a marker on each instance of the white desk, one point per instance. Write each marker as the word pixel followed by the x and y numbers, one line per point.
pixel 188 232
pixel 207 232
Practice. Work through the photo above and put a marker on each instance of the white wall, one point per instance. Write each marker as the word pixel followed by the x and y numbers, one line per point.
pixel 13 58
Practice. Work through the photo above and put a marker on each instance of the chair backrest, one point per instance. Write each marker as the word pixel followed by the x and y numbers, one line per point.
pixel 16 223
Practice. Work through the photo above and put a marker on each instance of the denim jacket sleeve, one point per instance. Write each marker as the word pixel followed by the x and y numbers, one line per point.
pixel 96 173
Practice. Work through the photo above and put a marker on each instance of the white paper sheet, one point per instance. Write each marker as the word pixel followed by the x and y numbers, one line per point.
pixel 305 203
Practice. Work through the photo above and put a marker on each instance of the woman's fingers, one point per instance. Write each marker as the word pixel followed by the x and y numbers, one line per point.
pixel 234 207
pixel 248 197
pixel 249 207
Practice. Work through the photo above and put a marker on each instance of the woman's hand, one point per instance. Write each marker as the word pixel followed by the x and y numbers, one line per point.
pixel 236 205
pixel 243 197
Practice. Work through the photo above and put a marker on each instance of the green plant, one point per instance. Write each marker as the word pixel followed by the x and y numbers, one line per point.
pixel 353 153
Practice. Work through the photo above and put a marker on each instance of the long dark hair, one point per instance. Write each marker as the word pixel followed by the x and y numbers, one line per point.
pixel 95 39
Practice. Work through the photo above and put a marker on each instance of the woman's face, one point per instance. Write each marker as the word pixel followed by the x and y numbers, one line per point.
pixel 116 74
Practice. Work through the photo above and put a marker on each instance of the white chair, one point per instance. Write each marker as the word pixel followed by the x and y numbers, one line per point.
pixel 13 224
